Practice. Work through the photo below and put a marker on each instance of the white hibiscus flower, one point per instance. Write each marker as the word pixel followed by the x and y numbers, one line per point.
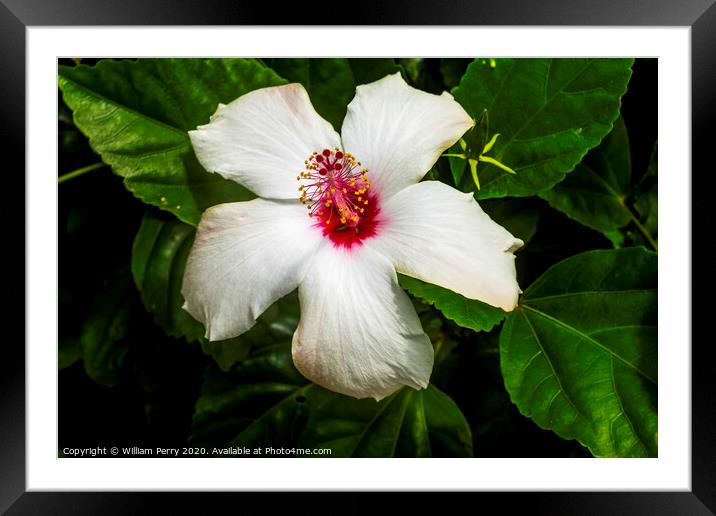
pixel 368 216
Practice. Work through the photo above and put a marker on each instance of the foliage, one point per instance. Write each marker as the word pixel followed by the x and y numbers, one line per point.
pixel 548 112
pixel 579 353
pixel 572 371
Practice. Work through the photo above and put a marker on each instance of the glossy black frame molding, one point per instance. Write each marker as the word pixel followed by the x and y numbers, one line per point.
pixel 16 15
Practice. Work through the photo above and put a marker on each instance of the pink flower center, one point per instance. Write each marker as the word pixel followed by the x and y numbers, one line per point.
pixel 338 195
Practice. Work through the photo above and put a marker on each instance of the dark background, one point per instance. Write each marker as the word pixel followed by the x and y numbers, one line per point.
pixel 699 15
pixel 153 400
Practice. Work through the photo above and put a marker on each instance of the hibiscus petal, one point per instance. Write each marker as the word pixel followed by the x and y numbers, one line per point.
pixel 262 139
pixel 246 255
pixel 359 334
pixel 437 234
pixel 398 132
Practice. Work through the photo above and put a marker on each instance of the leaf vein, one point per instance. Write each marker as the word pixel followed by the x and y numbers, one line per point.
pixel 590 292
pixel 542 107
pixel 362 435
pixel 91 93
pixel 589 339
pixel 551 366
pixel 626 416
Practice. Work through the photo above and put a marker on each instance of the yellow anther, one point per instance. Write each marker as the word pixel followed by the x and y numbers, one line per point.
pixel 345 191
pixel 365 202
pixel 359 198
pixel 333 190
pixel 343 220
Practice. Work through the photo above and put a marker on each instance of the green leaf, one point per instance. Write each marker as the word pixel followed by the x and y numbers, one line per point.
pixel 137 114
pixel 616 237
pixel 265 402
pixel 646 201
pixel 549 113
pixel 457 165
pixel 159 255
pixel 579 354
pixel 367 70
pixel 69 351
pixel 594 194
pixel 410 423
pixel 258 399
pixel 452 70
pixel 331 82
pixel 413 67
pixel 102 338
pixel 469 313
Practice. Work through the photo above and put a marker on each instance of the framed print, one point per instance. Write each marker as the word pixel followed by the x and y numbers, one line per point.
pixel 416 258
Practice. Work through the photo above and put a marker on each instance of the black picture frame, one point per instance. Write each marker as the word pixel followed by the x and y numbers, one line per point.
pixel 17 15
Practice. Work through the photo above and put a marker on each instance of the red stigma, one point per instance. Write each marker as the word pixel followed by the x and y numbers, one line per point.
pixel 339 198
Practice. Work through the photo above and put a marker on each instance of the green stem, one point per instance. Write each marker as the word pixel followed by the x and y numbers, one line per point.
pixel 488 159
pixel 473 171
pixel 439 343
pixel 79 172
pixel 641 227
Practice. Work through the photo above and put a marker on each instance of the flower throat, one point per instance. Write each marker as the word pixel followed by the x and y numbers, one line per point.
pixel 337 193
